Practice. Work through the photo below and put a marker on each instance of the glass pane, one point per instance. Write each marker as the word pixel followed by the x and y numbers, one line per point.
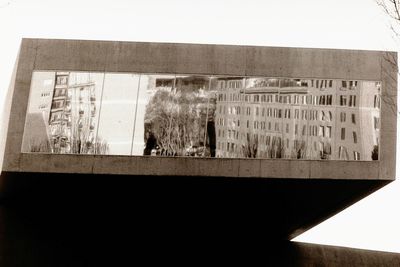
pixel 195 129
pixel 154 113
pixel 358 120
pixel 82 112
pixel 317 119
pixel 178 117
pixel 117 113
pixel 233 127
pixel 152 99
pixel 62 112
pixel 37 137
pixel 321 122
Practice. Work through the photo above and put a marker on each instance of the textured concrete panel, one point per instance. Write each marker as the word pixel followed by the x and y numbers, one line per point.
pixel 12 159
pixel 249 168
pixel 121 165
pixel 71 55
pixel 230 60
pixel 194 58
pixel 19 104
pixel 6 112
pixel 313 63
pixel 210 59
pixel 141 57
pixel 389 115
pixel 59 163
pixel 292 168
pixel 266 62
pixel 22 84
pixel 303 254
pixel 344 170
pixel 223 167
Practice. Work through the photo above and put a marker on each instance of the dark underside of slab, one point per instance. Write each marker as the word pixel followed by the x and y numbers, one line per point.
pixel 85 215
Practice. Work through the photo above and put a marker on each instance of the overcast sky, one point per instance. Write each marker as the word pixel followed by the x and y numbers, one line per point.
pixel 373 223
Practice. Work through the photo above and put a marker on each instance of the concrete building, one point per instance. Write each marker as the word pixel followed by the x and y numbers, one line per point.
pixel 63 209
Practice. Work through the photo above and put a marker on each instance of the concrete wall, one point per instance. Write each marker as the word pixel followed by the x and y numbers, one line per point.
pixel 303 254
pixel 105 56
pixel 5 116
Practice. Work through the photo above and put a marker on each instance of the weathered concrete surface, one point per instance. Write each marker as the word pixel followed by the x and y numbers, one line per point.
pixel 43 54
pixel 172 166
pixel 389 109
pixel 303 254
pixel 5 115
pixel 309 62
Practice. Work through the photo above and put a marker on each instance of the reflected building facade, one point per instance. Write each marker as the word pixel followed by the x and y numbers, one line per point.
pixel 297 118
pixel 73 114
pixel 69 115
pixel 203 116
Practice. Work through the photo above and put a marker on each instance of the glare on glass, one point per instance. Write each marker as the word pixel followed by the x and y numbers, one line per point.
pixel 118 111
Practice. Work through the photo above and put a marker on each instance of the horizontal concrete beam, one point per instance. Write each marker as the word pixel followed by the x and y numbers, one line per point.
pixel 185 166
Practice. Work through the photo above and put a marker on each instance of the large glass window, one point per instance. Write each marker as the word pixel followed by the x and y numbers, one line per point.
pixel 63 112
pixel 37 137
pixel 201 116
pixel 177 117
pixel 156 120
pixel 118 110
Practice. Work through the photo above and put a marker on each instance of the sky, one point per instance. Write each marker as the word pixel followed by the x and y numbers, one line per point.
pixel 372 223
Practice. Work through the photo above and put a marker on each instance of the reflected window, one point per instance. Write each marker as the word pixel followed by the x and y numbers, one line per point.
pixel 353 118
pixel 343 133
pixel 343 154
pixel 343 100
pixel 377 101
pixel 342 116
pixel 376 123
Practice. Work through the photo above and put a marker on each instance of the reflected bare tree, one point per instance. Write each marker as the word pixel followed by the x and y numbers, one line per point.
pixel 250 148
pixel 40 146
pixel 81 141
pixel 177 120
pixel 392 9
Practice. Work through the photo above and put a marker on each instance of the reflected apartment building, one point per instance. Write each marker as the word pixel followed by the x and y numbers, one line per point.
pixel 72 117
pixel 297 118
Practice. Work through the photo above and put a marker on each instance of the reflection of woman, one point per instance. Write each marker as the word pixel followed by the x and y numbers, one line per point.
pixel 151 143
